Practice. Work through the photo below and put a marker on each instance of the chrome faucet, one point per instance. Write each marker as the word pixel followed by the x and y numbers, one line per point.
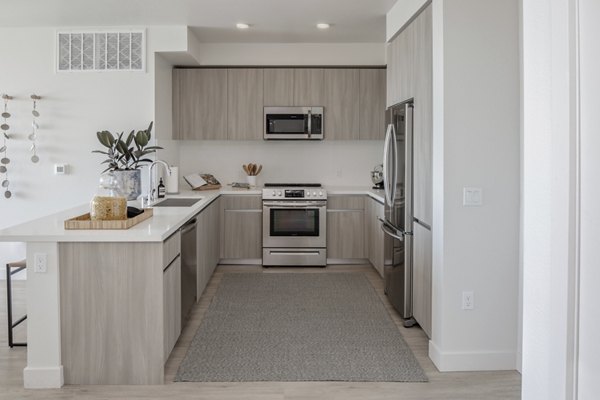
pixel 151 181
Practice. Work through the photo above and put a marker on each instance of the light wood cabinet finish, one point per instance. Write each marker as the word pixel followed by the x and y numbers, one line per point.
pixel 376 238
pixel 341 104
pixel 346 227
pixel 279 87
pixel 308 87
pixel 241 227
pixel 111 304
pixel 422 259
pixel 171 248
pixel 200 104
pixel 245 104
pixel 372 104
pixel 208 239
pixel 423 119
pixel 171 306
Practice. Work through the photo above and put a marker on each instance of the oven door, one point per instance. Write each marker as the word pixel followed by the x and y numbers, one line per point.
pixel 294 224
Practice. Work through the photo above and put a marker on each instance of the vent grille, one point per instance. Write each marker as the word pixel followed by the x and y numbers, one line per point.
pixel 101 51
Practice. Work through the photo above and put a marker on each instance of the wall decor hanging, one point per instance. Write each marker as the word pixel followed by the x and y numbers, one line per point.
pixel 34 129
pixel 4 161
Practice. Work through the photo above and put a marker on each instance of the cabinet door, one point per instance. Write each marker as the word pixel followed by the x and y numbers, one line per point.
pixel 341 104
pixel 422 277
pixel 200 104
pixel 345 234
pixel 308 87
pixel 279 87
pixel 376 236
pixel 372 104
pixel 242 234
pixel 171 306
pixel 423 118
pixel 202 252
pixel 245 104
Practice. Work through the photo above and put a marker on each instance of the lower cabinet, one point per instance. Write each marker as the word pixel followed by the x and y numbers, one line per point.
pixel 207 246
pixel 171 306
pixel 376 238
pixel 241 224
pixel 346 227
pixel 422 277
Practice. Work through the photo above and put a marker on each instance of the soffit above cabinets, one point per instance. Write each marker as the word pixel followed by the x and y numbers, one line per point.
pixel 271 21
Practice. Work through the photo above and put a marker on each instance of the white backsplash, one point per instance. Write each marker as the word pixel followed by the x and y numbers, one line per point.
pixel 336 163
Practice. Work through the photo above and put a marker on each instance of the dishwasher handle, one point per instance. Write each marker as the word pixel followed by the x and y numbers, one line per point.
pixel 190 225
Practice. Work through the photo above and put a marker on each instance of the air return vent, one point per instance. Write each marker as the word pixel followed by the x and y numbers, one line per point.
pixel 101 51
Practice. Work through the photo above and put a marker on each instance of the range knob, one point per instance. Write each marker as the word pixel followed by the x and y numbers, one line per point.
pixel 279 193
pixel 320 193
pixel 314 193
pixel 307 194
pixel 274 193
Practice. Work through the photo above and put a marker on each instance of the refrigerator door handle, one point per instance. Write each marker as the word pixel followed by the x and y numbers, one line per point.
pixel 386 172
pixel 395 167
pixel 388 229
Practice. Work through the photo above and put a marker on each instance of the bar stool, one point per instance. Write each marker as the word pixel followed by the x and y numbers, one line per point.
pixel 11 269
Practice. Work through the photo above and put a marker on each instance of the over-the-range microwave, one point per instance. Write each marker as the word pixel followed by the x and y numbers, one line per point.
pixel 293 123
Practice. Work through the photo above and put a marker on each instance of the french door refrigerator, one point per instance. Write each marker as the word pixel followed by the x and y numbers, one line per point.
pixel 398 221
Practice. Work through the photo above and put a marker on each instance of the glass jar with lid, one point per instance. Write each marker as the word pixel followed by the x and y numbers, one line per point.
pixel 109 203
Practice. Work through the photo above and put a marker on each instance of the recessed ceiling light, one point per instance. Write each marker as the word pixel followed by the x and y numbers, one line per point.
pixel 241 25
pixel 323 25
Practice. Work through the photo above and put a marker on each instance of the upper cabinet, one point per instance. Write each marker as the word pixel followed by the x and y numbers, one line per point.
pixel 372 104
pixel 278 87
pixel 308 86
pixel 200 104
pixel 341 104
pixel 244 104
pixel 227 103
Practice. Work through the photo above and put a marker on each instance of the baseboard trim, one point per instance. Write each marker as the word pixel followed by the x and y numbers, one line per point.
pixel 447 361
pixel 43 378
pixel 240 261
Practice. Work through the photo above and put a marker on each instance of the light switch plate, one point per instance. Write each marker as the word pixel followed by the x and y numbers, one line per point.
pixel 61 169
pixel 472 197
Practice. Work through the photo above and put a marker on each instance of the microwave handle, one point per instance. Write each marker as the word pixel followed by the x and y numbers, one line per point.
pixel 309 123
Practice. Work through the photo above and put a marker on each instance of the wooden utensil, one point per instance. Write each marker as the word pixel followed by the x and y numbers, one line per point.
pixel 258 170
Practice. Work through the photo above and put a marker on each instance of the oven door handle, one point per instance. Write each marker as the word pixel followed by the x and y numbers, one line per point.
pixel 295 205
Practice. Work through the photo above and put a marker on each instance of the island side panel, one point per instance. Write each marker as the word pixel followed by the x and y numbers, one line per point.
pixel 111 313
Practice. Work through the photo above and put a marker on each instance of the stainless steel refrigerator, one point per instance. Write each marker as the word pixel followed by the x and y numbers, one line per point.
pixel 398 222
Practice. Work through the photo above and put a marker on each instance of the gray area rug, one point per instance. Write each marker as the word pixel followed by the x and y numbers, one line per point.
pixel 298 327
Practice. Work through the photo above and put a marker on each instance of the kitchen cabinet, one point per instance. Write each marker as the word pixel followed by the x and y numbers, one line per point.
pixel 245 104
pixel 171 305
pixel 376 238
pixel 278 87
pixel 422 258
pixel 200 104
pixel 208 235
pixel 341 98
pixel 241 229
pixel 346 227
pixel 308 87
pixel 409 75
pixel 372 104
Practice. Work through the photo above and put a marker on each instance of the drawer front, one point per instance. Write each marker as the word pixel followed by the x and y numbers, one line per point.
pixel 171 248
pixel 346 202
pixel 245 202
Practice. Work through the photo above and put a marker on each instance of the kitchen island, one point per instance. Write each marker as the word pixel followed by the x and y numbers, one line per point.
pixel 103 308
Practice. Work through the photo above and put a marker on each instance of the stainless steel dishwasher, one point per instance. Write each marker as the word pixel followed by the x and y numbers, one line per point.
pixel 188 267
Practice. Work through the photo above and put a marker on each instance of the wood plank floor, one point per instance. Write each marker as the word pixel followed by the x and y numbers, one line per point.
pixel 453 386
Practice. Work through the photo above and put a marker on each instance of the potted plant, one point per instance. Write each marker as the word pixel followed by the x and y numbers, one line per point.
pixel 125 157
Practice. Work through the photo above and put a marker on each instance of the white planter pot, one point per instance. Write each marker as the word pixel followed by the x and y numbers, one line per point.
pixel 130 182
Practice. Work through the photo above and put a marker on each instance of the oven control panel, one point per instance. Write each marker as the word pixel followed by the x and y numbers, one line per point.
pixel 294 194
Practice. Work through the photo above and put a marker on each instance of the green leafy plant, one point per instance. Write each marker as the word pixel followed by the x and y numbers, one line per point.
pixel 126 153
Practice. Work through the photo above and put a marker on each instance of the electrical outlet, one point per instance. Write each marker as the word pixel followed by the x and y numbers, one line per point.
pixel 40 263
pixel 472 197
pixel 468 301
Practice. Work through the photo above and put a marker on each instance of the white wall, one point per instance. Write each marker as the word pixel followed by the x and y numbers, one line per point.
pixel 476 144
pixel 400 14
pixel 339 163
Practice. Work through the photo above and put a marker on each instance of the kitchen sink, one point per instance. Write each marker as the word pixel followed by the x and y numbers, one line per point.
pixel 178 202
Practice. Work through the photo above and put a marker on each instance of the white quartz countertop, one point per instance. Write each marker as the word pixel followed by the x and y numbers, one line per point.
pixel 164 222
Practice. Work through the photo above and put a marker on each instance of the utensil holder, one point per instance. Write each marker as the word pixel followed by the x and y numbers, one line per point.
pixel 251 180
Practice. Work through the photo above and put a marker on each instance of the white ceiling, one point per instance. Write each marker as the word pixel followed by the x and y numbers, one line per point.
pixel 361 21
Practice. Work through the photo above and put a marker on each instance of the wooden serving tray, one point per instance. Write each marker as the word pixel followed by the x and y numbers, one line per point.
pixel 84 222
pixel 208 187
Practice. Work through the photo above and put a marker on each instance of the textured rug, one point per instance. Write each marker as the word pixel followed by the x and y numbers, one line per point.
pixel 298 327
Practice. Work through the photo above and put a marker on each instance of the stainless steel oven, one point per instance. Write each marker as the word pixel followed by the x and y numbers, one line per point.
pixel 294 227
pixel 293 123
